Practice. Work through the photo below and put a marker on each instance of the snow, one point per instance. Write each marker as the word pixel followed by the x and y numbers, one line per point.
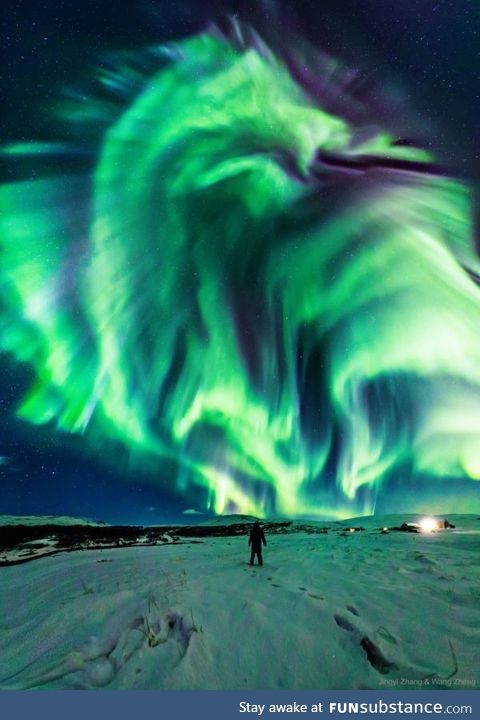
pixel 46 520
pixel 195 615
pixel 228 520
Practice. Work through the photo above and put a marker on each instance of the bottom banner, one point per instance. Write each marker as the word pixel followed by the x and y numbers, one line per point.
pixel 239 705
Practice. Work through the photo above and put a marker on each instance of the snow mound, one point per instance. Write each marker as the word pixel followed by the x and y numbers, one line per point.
pixel 229 520
pixel 47 520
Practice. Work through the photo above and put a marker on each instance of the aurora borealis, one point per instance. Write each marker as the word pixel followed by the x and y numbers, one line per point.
pixel 260 285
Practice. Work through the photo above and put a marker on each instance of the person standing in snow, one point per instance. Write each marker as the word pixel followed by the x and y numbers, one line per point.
pixel 257 537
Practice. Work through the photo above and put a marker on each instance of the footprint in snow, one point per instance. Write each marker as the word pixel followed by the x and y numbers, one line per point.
pixel 375 656
pixel 344 623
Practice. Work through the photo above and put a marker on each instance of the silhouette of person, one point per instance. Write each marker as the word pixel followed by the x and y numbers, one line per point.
pixel 257 537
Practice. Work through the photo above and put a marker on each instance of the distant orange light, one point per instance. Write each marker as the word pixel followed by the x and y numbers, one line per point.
pixel 428 524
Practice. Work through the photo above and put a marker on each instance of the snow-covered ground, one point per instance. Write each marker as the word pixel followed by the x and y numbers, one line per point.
pixel 47 520
pixel 361 610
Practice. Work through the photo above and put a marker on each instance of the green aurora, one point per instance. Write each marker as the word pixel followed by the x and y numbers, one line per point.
pixel 264 293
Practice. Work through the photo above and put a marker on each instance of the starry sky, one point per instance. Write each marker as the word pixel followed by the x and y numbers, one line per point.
pixel 429 50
